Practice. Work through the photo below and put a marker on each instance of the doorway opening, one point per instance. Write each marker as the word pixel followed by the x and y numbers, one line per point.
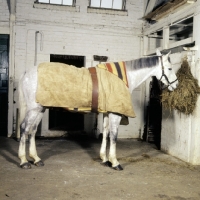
pixel 60 119
pixel 4 52
pixel 152 129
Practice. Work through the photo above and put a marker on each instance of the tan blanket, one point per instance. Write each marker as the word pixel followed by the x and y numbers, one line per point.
pixel 61 85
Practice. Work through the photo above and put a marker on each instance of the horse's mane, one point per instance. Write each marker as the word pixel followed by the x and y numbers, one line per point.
pixel 144 62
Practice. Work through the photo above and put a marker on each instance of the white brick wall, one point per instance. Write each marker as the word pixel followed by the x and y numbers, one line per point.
pixel 76 31
pixel 4 15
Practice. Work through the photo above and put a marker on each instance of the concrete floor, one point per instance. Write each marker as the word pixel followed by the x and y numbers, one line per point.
pixel 72 171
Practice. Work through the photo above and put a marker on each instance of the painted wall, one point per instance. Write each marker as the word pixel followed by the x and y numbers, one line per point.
pixel 78 31
pixel 181 134
pixel 4 17
pixel 176 128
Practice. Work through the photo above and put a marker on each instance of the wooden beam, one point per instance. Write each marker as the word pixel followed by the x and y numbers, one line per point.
pixel 181 42
pixel 165 37
pixel 145 45
pixel 173 45
pixel 153 51
pixel 150 6
pixel 185 13
pixel 145 5
pixel 163 10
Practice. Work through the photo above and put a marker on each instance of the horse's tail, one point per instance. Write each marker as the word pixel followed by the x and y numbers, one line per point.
pixel 22 105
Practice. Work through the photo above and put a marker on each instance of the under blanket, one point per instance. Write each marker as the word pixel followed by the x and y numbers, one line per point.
pixel 61 85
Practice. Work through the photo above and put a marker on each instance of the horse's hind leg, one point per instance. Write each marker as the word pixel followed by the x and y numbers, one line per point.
pixel 25 128
pixel 103 155
pixel 32 146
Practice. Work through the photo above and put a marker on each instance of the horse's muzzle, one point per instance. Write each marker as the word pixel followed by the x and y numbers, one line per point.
pixel 173 86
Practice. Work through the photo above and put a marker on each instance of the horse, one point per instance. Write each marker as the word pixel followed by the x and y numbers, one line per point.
pixel 31 112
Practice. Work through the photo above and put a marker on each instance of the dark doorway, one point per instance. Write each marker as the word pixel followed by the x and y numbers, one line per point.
pixel 60 119
pixel 152 130
pixel 4 52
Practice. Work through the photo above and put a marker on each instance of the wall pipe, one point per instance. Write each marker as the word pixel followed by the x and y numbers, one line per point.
pixel 41 45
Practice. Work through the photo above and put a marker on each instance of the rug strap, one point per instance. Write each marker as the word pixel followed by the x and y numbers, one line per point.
pixel 95 89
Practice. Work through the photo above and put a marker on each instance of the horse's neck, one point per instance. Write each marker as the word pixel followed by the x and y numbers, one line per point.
pixel 137 77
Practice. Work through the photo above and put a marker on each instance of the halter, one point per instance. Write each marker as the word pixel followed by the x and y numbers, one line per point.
pixel 163 74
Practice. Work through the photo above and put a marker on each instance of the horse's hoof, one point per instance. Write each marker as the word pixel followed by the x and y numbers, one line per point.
pixel 39 164
pixel 26 165
pixel 118 168
pixel 107 164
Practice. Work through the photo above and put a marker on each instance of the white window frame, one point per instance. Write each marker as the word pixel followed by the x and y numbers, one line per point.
pixel 112 8
pixel 52 2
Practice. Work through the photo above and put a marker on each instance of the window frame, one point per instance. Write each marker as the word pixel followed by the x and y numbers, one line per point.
pixel 73 3
pixel 123 5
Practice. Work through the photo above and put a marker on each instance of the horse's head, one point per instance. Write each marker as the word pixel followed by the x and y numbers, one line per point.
pixel 166 73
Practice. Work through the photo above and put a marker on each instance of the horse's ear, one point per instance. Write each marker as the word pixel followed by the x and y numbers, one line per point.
pixel 168 54
pixel 158 52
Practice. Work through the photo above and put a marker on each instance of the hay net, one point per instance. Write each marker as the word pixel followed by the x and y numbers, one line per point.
pixel 184 98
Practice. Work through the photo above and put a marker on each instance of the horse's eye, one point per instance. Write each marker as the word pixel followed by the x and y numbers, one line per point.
pixel 169 68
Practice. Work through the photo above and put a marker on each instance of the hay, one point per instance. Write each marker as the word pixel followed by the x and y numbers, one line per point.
pixel 184 98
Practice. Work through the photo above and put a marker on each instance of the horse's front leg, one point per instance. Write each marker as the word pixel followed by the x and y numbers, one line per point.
pixel 33 152
pixel 103 155
pixel 114 121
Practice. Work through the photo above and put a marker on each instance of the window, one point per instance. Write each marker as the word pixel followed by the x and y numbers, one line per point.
pixel 110 4
pixel 58 2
